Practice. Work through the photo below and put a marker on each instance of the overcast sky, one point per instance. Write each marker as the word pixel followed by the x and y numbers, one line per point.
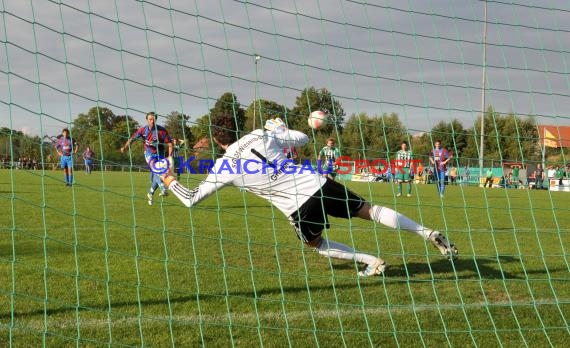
pixel 419 58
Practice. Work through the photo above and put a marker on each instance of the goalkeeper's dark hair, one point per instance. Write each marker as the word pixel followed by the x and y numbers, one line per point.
pixel 224 128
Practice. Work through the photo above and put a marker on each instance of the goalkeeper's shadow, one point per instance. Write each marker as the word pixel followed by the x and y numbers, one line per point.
pixel 474 268
pixel 501 267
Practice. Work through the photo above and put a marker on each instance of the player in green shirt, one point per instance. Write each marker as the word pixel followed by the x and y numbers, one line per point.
pixel 560 174
pixel 489 178
pixel 403 163
pixel 515 173
pixel 176 147
pixel 329 154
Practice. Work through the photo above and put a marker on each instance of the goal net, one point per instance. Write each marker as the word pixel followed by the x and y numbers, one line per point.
pixel 92 258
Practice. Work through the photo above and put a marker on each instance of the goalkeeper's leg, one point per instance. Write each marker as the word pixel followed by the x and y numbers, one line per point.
pixel 336 250
pixel 393 219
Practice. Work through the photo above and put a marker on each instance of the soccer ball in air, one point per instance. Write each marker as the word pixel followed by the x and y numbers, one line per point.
pixel 317 119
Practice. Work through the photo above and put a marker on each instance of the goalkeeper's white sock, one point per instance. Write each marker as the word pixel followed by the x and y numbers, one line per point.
pixel 337 250
pixel 392 218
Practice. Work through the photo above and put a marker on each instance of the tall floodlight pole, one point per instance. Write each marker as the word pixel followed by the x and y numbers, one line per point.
pixel 543 146
pixel 483 85
pixel 257 57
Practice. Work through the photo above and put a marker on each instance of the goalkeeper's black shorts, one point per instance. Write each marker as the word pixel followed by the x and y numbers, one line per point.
pixel 332 199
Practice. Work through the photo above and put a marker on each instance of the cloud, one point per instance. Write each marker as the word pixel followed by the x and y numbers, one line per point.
pixel 423 62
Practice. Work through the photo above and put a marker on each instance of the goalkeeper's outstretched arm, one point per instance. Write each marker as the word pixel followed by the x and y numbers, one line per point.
pixel 289 137
pixel 192 197
pixel 284 136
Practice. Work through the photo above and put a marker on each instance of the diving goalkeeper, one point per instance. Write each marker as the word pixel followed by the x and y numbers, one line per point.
pixel 305 198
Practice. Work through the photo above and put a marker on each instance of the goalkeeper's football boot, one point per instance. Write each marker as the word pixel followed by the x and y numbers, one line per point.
pixel 149 196
pixel 376 268
pixel 446 248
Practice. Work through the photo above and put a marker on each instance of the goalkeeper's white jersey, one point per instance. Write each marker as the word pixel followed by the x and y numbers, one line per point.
pixel 287 187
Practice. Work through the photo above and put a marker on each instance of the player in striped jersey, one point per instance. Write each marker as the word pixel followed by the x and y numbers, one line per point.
pixel 439 157
pixel 328 155
pixel 155 139
pixel 66 147
pixel 403 166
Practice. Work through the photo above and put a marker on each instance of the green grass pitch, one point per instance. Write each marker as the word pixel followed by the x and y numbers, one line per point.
pixel 96 266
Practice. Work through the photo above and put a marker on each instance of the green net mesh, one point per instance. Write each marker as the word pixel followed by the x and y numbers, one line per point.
pixel 93 264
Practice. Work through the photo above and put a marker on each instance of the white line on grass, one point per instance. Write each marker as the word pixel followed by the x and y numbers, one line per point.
pixel 252 318
pixel 230 228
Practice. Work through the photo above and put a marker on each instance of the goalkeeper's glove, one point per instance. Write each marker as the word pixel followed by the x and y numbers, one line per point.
pixel 275 124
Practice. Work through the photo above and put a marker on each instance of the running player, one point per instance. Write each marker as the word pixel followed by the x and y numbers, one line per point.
pixel 155 138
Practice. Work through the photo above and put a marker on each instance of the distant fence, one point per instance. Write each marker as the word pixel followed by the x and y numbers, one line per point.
pixel 473 177
pixel 115 167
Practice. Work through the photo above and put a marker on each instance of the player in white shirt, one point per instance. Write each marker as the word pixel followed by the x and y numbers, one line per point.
pixel 302 195
pixel 551 173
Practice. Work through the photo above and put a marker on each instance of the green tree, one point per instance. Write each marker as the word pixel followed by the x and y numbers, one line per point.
pixel 312 99
pixel 421 145
pixel 471 150
pixel 19 145
pixel 177 125
pixel 105 133
pixel 264 110
pixel 372 136
pixel 95 120
pixel 393 132
pixel 201 128
pixel 511 146
pixel 10 141
pixel 30 147
pixel 506 138
pixel 355 139
pixel 527 133
pixel 229 104
pixel 124 126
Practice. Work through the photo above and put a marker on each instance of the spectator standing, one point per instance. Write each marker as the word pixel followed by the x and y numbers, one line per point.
pixel 420 170
pixel 538 177
pixel 465 176
pixel 515 172
pixel 453 175
pixel 488 178
pixel 88 155
pixel 551 173
pixel 560 174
